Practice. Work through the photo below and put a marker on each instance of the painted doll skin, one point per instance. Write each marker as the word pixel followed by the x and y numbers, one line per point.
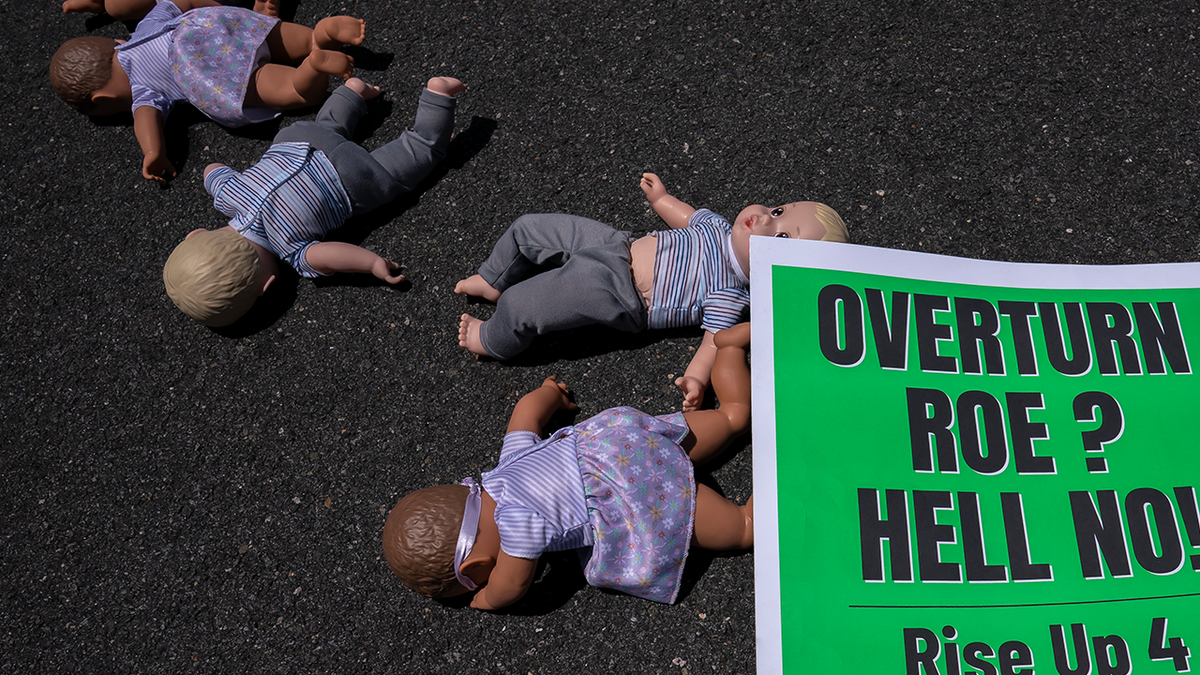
pixel 694 273
pixel 639 509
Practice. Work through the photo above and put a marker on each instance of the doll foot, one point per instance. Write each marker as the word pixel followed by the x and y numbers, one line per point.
pixel 267 8
pixel 331 63
pixel 335 31
pixel 737 336
pixel 468 335
pixel 364 89
pixel 446 86
pixel 475 285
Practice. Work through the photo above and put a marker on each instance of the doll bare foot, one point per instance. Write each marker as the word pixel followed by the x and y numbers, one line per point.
pixel 331 63
pixel 267 8
pixel 475 285
pixel 366 90
pixel 446 86
pixel 468 335
pixel 335 31
pixel 95 6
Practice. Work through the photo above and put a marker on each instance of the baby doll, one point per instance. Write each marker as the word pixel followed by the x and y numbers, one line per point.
pixel 695 273
pixel 135 10
pixel 621 483
pixel 226 61
pixel 311 179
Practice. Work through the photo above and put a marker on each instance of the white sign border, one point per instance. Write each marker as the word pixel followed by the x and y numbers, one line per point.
pixel 768 252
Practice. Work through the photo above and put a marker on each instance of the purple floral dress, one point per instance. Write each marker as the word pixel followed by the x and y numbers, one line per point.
pixel 641 500
pixel 214 52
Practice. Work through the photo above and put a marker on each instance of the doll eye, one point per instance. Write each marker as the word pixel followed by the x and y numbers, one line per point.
pixel 781 235
pixel 777 211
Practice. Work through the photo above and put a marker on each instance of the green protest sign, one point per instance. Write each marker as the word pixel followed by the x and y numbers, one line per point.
pixel 974 467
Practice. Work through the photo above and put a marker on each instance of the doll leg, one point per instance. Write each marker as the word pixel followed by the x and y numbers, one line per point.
pixel 285 88
pixel 409 158
pixel 290 43
pixel 720 524
pixel 712 430
pixel 580 293
pixel 335 31
pixel 551 240
pixel 375 178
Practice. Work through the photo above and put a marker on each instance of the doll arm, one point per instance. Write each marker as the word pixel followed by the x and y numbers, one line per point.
pixel 510 579
pixel 695 379
pixel 328 257
pixel 535 408
pixel 673 212
pixel 148 127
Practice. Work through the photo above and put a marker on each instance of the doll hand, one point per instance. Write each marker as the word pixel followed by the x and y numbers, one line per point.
pixel 155 166
pixel 693 392
pixel 383 269
pixel 653 187
pixel 564 403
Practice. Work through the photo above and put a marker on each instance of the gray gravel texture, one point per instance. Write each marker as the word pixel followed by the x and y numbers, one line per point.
pixel 179 499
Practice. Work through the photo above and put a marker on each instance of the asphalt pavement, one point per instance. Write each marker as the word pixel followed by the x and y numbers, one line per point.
pixel 181 499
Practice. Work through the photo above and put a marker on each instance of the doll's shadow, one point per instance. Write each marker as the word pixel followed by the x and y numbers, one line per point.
pixel 558 578
pixel 460 150
pixel 268 309
pixel 589 341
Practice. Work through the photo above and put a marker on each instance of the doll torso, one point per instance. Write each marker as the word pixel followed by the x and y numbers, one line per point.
pixel 693 277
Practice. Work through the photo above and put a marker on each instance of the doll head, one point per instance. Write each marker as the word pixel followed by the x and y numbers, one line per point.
pixel 799 220
pixel 79 68
pixel 420 537
pixel 214 276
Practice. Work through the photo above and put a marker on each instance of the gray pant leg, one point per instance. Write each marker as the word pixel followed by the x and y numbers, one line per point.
pixel 334 125
pixel 591 284
pixel 372 179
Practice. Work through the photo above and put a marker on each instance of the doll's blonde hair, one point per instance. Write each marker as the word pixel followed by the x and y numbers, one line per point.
pixel 835 227
pixel 213 276
pixel 420 536
pixel 80 67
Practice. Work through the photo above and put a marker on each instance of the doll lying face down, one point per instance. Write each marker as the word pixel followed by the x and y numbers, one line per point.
pixel 234 65
pixel 620 483
pixel 311 179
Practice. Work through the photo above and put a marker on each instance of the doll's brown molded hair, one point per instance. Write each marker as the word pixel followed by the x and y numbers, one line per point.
pixel 79 67
pixel 835 227
pixel 420 536
pixel 213 276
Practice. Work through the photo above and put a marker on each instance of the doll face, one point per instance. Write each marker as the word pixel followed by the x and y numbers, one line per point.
pixel 791 221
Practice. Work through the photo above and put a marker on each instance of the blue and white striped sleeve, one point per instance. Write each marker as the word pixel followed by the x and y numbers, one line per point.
pixel 724 308
pixel 215 183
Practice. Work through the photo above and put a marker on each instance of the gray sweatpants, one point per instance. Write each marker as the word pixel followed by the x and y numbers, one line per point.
pixel 372 179
pixel 590 282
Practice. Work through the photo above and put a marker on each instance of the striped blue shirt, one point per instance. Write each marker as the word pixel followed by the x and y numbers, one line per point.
pixel 696 277
pixel 146 58
pixel 287 202
pixel 539 495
